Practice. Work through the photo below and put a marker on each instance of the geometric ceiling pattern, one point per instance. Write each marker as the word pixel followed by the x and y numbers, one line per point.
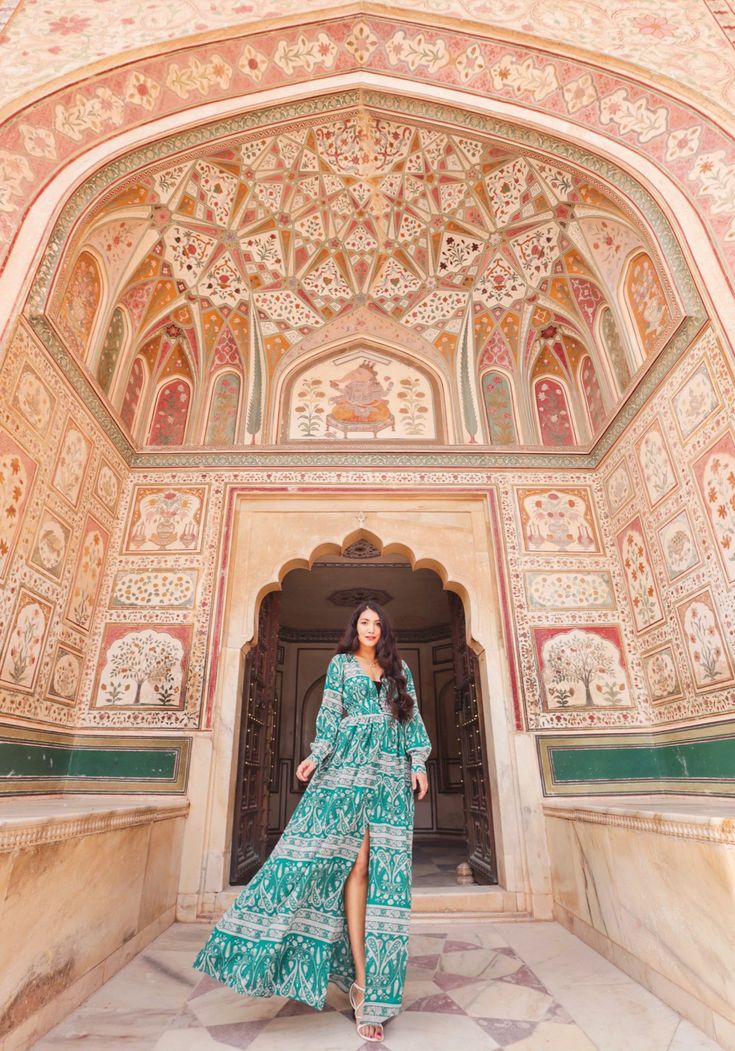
pixel 233 258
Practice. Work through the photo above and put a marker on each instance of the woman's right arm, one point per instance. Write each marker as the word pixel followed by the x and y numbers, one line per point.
pixel 330 713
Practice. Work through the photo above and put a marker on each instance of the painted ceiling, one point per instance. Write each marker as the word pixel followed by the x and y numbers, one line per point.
pixel 278 237
pixel 687 41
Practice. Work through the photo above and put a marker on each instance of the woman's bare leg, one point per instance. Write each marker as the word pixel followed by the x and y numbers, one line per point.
pixel 356 888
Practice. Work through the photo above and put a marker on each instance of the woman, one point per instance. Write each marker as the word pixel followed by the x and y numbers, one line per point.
pixel 332 901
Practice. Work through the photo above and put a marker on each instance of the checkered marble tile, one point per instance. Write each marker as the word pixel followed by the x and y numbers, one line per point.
pixel 465 987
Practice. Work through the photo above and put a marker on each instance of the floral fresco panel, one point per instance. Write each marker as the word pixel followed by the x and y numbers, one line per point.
pixel 706 646
pixel 619 488
pixel 33 400
pixel 678 546
pixel 569 589
pixel 648 303
pixel 66 676
pixel 695 401
pixel 645 601
pixel 166 519
pixel 558 520
pixel 50 545
pixel 85 587
pixel 17 471
pixel 714 472
pixel 107 486
pixel 582 667
pixel 657 469
pixel 143 667
pixel 71 463
pixel 24 645
pixel 662 675
pixel 154 589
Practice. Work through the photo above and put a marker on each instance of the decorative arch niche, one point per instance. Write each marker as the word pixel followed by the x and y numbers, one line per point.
pixel 363 392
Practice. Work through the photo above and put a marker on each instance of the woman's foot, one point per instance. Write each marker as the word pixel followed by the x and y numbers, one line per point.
pixel 367 1030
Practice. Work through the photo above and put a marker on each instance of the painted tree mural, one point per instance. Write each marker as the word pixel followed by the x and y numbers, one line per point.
pixel 583 668
pixel 148 662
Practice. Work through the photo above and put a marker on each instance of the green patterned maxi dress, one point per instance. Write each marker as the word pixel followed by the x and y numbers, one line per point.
pixel 286 934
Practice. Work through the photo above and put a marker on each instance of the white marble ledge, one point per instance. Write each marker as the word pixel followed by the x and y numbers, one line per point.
pixel 703 818
pixel 36 820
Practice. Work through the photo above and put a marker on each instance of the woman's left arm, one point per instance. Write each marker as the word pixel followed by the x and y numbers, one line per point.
pixel 418 745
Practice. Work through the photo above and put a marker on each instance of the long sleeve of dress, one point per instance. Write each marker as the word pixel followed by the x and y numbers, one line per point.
pixel 330 713
pixel 418 745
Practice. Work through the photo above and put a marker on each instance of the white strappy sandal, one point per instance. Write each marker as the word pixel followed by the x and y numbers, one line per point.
pixel 362 1025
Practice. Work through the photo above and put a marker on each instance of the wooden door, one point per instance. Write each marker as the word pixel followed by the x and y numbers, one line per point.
pixel 477 803
pixel 255 754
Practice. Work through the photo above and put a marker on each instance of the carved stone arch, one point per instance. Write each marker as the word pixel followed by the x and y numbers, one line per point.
pixel 400 379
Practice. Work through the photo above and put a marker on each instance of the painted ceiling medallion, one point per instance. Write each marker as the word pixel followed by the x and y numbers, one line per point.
pixel 361 549
pixel 352 596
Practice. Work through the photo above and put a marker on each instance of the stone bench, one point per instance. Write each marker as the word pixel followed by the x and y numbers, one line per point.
pixel 650 884
pixel 85 883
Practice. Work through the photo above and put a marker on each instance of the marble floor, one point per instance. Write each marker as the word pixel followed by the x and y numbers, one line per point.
pixel 474 985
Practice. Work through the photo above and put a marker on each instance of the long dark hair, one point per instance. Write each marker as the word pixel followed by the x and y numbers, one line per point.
pixel 386 653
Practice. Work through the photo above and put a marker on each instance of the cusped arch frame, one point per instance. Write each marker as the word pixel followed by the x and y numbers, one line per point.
pixel 615 180
pixel 417 560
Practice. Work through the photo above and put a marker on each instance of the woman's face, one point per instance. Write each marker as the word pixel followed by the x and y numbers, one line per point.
pixel 368 629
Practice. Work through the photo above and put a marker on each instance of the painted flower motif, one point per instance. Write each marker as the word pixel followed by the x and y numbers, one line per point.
pixel 253 63
pixel 654 25
pixel 142 91
pixel 69 25
pixel 39 142
pixel 683 142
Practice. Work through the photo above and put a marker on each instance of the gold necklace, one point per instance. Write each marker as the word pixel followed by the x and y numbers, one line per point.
pixel 373 665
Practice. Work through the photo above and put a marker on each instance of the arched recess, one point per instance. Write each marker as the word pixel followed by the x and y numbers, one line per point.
pixel 556 401
pixel 647 305
pixel 551 401
pixel 610 337
pixel 223 413
pixel 588 384
pixel 170 414
pixel 134 393
pixel 361 387
pixel 498 399
pixel 79 306
pixel 112 353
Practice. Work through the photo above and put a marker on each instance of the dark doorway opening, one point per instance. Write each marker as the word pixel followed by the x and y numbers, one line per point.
pixel 298 629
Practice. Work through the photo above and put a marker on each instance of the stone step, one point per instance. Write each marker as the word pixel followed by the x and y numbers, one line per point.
pixel 472 900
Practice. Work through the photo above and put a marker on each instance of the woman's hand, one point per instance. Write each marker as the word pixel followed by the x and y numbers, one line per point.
pixel 420 781
pixel 305 769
